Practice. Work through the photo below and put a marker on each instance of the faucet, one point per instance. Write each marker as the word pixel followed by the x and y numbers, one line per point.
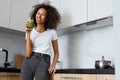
pixel 6 63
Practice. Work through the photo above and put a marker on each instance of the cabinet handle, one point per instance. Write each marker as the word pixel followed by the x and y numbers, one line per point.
pixel 78 78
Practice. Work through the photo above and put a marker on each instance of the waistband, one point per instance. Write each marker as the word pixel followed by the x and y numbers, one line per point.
pixel 40 54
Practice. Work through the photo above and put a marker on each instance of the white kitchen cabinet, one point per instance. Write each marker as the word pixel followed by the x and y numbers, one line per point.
pixel 19 15
pixel 73 12
pixel 27 2
pixel 55 3
pixel 5 13
pixel 99 9
pixel 14 13
pixel 20 12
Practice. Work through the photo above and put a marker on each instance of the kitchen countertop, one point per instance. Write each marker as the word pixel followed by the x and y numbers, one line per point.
pixel 68 71
pixel 86 71
pixel 3 69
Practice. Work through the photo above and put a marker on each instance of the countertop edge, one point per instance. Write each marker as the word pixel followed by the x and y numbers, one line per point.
pixel 10 70
pixel 86 71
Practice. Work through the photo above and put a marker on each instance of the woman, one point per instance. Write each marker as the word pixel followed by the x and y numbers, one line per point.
pixel 38 43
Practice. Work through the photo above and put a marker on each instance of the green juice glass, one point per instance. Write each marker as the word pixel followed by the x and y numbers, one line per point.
pixel 31 24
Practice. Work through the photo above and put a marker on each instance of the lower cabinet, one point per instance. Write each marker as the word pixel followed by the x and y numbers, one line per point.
pixel 9 76
pixel 105 77
pixel 83 77
pixel 59 76
pixel 74 77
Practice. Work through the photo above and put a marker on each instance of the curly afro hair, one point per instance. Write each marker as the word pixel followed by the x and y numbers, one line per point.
pixel 53 16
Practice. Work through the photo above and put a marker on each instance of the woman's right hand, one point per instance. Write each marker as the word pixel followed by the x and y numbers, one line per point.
pixel 27 29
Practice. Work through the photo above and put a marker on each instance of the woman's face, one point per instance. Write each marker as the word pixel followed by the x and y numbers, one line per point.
pixel 41 16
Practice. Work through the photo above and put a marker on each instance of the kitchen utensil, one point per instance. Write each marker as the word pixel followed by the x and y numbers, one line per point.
pixel 103 64
pixel 19 60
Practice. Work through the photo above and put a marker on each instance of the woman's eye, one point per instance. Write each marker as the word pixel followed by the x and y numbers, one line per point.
pixel 43 14
pixel 37 13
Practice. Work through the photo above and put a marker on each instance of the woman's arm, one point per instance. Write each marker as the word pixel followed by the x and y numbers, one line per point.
pixel 28 47
pixel 52 68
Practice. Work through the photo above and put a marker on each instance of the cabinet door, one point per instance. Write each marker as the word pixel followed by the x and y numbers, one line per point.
pixel 28 2
pixel 88 76
pixel 74 77
pixel 99 9
pixel 105 77
pixel 9 76
pixel 55 3
pixel 4 13
pixel 19 15
pixel 73 12
pixel 57 77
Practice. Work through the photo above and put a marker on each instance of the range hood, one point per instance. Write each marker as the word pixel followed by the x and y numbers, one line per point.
pixel 100 23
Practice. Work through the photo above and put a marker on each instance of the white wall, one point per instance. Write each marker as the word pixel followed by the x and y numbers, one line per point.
pixel 81 49
pixel 116 18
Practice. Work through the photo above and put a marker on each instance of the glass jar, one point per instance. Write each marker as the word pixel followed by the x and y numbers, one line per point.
pixel 59 65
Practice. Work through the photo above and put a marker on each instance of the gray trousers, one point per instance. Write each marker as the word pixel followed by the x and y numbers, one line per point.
pixel 35 67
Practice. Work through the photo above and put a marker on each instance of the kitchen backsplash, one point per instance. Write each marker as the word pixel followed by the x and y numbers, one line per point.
pixel 82 49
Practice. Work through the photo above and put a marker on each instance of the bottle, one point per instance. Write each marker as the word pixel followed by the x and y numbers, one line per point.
pixel 59 65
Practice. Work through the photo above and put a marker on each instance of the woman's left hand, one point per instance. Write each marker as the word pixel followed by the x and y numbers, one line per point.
pixel 52 69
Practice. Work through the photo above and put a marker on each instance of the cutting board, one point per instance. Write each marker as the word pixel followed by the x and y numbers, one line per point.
pixel 19 60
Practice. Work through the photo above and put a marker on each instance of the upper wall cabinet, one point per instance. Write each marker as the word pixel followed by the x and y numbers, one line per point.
pixel 4 12
pixel 55 3
pixel 73 12
pixel 27 2
pixel 19 13
pixel 99 9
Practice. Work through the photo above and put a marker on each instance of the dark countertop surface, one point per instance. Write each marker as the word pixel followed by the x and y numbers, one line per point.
pixel 3 69
pixel 68 71
pixel 86 71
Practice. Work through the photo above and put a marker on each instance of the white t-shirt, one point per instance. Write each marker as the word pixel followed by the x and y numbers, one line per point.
pixel 42 41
